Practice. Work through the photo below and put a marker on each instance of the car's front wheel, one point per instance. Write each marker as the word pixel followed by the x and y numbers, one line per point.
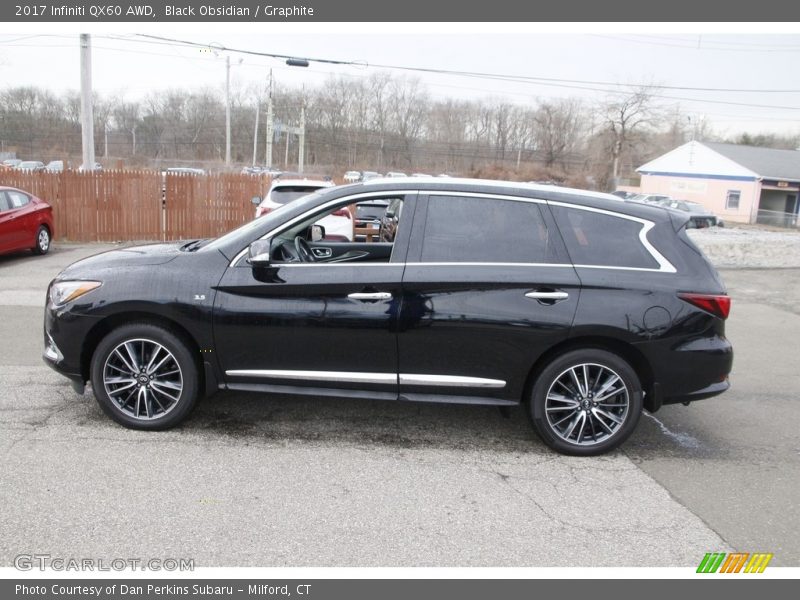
pixel 144 377
pixel 586 402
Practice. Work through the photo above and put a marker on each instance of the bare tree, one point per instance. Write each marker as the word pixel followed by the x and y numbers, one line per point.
pixel 558 128
pixel 625 117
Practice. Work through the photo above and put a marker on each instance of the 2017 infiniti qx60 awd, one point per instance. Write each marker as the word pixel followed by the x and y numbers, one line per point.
pixel 582 307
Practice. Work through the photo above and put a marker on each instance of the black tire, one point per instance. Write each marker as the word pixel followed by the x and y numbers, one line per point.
pixel 155 411
pixel 42 241
pixel 624 405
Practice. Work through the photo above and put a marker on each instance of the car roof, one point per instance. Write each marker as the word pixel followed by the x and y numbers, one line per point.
pixel 494 184
pixel 588 198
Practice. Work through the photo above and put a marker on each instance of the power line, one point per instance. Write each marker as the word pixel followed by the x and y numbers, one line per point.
pixel 500 76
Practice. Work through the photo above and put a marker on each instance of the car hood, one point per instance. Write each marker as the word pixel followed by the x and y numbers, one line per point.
pixel 133 256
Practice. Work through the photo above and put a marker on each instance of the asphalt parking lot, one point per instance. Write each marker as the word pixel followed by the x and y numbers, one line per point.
pixel 257 481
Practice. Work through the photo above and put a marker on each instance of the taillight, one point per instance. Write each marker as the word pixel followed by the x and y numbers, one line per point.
pixel 718 305
pixel 342 212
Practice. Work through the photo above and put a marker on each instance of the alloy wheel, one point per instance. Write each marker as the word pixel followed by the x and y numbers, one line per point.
pixel 587 404
pixel 143 379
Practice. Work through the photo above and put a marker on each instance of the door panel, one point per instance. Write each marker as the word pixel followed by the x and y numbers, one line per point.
pixel 488 288
pixel 12 226
pixel 300 318
pixel 476 321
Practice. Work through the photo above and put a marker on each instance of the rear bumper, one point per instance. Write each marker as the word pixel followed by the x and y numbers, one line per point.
pixel 689 370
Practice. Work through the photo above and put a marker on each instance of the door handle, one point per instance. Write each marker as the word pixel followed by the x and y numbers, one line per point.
pixel 369 296
pixel 322 252
pixel 553 296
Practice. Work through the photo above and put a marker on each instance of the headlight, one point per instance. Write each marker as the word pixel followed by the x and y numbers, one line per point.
pixel 62 292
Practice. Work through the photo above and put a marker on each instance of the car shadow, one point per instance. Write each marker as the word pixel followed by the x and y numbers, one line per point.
pixel 359 422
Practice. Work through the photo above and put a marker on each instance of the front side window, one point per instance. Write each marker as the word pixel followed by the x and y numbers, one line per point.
pixel 732 201
pixel 469 229
pixel 597 239
pixel 342 235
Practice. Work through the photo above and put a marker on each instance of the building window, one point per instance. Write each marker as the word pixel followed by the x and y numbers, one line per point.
pixel 732 201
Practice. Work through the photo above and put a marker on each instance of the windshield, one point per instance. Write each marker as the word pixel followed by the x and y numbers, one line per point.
pixel 249 228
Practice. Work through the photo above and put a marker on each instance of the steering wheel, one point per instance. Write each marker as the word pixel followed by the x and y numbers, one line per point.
pixel 303 250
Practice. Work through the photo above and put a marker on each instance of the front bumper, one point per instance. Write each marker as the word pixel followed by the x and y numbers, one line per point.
pixel 64 336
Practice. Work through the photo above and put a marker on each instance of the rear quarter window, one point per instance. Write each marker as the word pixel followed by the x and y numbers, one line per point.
pixel 597 239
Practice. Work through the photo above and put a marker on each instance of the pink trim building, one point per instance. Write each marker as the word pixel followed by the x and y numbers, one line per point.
pixel 738 183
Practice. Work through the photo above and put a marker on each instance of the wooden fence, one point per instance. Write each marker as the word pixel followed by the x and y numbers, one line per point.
pixel 105 206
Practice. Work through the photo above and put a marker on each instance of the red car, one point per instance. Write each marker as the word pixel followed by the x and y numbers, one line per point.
pixel 26 222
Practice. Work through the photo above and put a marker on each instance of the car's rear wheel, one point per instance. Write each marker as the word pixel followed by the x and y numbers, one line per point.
pixel 42 245
pixel 144 377
pixel 586 402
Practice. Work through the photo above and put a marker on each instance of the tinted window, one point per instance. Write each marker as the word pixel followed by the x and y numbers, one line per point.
pixel 289 193
pixel 603 240
pixel 485 230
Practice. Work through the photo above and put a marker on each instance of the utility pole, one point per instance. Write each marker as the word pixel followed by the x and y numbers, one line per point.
pixel 227 111
pixel 255 131
pixel 87 118
pixel 301 138
pixel 268 159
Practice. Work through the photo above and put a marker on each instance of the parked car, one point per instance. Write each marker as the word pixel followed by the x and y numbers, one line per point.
pixel 95 167
pixel 352 176
pixel 55 166
pixel 623 194
pixel 582 308
pixel 421 175
pixel 30 165
pixel 648 198
pixel 338 225
pixel 26 222
pixel 369 216
pixel 699 216
pixel 392 174
pixel 368 175
pixel 252 170
pixel 11 162
pixel 185 171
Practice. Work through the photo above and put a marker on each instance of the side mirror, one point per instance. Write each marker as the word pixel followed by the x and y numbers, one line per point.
pixel 317 233
pixel 258 253
pixel 256 200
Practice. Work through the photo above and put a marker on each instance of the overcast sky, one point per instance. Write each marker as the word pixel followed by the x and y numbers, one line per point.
pixel 133 66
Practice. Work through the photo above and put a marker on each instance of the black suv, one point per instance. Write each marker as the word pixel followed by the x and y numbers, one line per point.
pixel 582 307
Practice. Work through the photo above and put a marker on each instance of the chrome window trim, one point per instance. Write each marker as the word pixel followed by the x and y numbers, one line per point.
pixel 487 195
pixel 664 266
pixel 281 228
pixel 380 378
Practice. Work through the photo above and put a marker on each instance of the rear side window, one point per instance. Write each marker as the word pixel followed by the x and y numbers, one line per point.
pixel 468 229
pixel 4 202
pixel 17 199
pixel 598 239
